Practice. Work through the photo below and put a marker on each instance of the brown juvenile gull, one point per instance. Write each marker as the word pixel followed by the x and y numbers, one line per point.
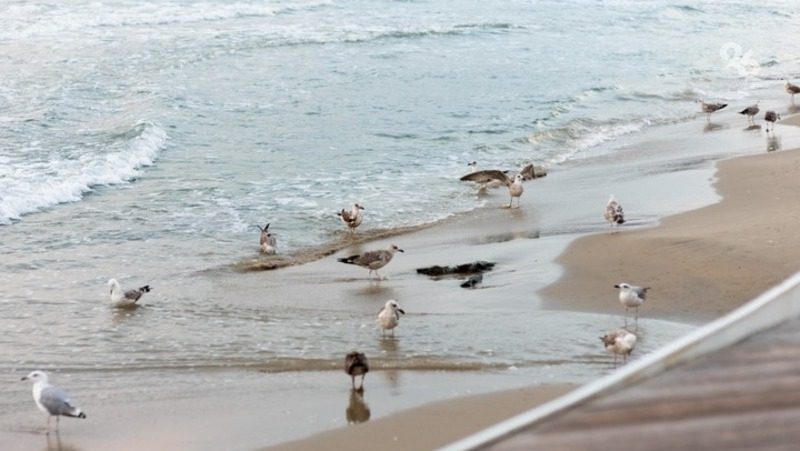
pixel 709 108
pixel 356 364
pixel 389 316
pixel 127 298
pixel 791 88
pixel 613 213
pixel 631 296
pixel 352 218
pixel 619 342
pixel 51 399
pixel 269 244
pixel 372 260
pixel 770 117
pixel 514 184
pixel 750 112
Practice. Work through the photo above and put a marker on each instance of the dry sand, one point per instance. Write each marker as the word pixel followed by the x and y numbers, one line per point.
pixel 704 263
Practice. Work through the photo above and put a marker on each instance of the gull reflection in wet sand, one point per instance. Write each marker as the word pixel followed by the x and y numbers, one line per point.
pixel 773 143
pixel 357 409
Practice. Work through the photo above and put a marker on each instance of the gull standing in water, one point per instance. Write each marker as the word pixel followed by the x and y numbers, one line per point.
pixel 750 112
pixel 709 108
pixel 269 244
pixel 372 260
pixel 389 316
pixel 771 117
pixel 613 213
pixel 51 399
pixel 631 296
pixel 352 218
pixel 127 298
pixel 356 364
pixel 619 342
pixel 791 88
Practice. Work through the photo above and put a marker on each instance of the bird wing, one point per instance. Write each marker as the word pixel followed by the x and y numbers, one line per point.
pixel 133 295
pixel 487 175
pixel 56 401
pixel 528 172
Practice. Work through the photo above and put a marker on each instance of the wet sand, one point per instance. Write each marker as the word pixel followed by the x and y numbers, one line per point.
pixel 247 407
pixel 705 262
pixel 432 425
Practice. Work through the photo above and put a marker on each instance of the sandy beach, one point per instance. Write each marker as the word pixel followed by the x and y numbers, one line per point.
pixel 705 262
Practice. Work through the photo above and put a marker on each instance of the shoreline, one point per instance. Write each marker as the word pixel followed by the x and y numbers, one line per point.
pixel 715 241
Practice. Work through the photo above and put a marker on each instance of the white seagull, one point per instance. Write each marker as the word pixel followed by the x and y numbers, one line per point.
pixel 352 218
pixel 128 298
pixel 614 214
pixel 631 296
pixel 619 342
pixel 372 260
pixel 389 316
pixel 51 399
pixel 269 244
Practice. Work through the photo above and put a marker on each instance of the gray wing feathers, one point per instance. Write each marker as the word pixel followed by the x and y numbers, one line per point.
pixel 133 295
pixel 486 176
pixel 57 402
pixel 641 292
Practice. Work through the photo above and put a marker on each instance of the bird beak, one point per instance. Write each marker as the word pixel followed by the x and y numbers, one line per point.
pixel 24 378
pixel 616 286
pixel 400 250
pixel 401 311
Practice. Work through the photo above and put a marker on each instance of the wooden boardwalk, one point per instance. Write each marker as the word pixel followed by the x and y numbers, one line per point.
pixel 743 397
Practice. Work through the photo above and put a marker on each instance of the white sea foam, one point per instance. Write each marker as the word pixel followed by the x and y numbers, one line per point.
pixel 37 185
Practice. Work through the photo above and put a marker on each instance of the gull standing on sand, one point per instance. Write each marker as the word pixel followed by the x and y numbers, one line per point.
pixel 352 218
pixel 51 399
pixel 269 244
pixel 751 112
pixel 771 117
pixel 372 260
pixel 710 107
pixel 619 342
pixel 613 213
pixel 128 298
pixel 389 316
pixel 791 88
pixel 631 296
pixel 356 364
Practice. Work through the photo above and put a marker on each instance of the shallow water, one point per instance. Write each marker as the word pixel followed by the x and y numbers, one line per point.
pixel 144 141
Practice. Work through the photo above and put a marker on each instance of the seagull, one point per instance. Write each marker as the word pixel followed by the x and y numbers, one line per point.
pixel 389 316
pixel 631 296
pixel 473 281
pixel 709 108
pixel 750 112
pixel 619 342
pixel 125 298
pixel 771 116
pixel 372 260
pixel 486 176
pixel 356 364
pixel 613 213
pixel 269 245
pixel 791 88
pixel 51 399
pixel 352 218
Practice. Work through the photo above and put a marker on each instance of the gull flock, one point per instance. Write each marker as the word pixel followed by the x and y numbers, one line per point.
pixel 621 342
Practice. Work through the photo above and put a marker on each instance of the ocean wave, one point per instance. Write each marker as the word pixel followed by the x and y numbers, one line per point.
pixel 66 179
pixel 53 20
